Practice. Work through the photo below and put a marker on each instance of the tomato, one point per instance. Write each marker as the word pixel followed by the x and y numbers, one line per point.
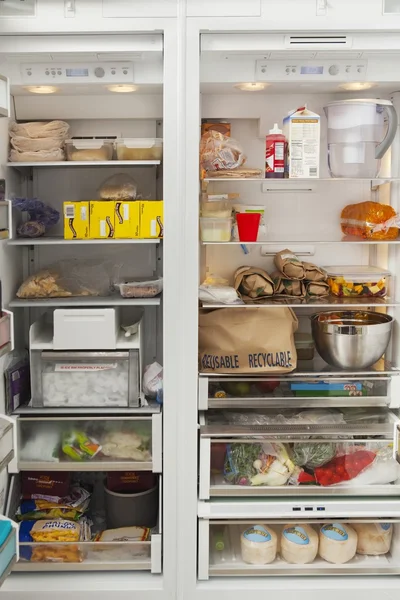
pixel 324 481
pixel 336 478
pixel 328 473
pixel 340 470
pixel 267 386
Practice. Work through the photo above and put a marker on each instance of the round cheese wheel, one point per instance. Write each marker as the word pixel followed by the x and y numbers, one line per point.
pixel 337 543
pixel 259 544
pixel 299 544
pixel 373 538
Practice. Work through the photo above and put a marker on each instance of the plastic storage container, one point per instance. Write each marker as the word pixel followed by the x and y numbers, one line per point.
pixel 141 288
pixel 358 281
pixel 215 229
pixel 139 148
pixel 85 328
pixel 304 346
pixel 126 510
pixel 89 150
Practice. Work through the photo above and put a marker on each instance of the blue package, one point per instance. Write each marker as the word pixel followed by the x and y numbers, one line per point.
pixel 324 386
pixel 25 529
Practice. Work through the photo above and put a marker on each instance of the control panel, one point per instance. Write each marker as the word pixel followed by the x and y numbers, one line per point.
pixel 44 73
pixel 311 70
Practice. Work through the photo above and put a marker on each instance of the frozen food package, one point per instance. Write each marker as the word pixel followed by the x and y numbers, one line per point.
pixel 46 486
pixel 67 278
pixel 218 151
pixel 152 379
pixel 79 446
pixel 41 216
pixel 361 220
pixel 124 534
pixel 118 187
pixel 253 284
pixel 48 532
pixel 38 129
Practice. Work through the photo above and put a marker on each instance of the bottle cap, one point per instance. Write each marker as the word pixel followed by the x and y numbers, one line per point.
pixel 275 129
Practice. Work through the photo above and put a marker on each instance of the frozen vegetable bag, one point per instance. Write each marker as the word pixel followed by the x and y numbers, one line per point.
pixel 247 340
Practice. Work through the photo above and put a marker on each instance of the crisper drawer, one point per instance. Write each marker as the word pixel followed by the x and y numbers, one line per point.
pixel 307 453
pixel 109 379
pixel 97 444
pixel 295 390
pixel 299 547
pixel 121 555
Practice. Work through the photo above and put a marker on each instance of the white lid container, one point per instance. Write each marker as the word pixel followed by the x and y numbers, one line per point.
pixel 85 328
pixel 139 148
pixel 139 142
pixel 357 273
pixel 215 229
pixel 89 149
pixel 89 144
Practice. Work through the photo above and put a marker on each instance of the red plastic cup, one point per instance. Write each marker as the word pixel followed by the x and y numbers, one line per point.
pixel 248 224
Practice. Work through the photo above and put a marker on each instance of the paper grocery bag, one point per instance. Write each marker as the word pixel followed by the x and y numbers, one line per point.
pixel 253 284
pixel 317 288
pixel 247 340
pixel 289 265
pixel 314 273
pixel 288 287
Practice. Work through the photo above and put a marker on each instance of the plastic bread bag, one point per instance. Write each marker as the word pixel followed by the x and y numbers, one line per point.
pixel 218 151
pixel 41 216
pixel 67 278
pixel 370 220
pixel 118 187
pixel 219 294
pixel 37 129
pixel 152 379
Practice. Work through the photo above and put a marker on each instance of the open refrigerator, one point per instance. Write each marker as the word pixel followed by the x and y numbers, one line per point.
pixel 248 82
pixel 84 81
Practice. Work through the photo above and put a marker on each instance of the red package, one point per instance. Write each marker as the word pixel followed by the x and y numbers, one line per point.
pixel 37 486
pixel 344 468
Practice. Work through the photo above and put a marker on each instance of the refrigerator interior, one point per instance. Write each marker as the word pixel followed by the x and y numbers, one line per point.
pixel 302 215
pixel 91 110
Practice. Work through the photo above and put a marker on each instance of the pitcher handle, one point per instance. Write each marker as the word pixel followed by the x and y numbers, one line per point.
pixel 391 131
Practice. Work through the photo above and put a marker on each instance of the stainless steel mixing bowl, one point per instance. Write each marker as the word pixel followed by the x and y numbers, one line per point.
pixel 351 339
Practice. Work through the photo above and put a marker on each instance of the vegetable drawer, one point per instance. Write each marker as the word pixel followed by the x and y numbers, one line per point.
pixel 299 547
pixel 299 453
pixel 96 444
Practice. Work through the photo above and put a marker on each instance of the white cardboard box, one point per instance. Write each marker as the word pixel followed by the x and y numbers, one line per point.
pixel 302 129
pixel 85 328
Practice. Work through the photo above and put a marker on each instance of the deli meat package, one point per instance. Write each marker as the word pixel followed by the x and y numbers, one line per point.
pixel 247 340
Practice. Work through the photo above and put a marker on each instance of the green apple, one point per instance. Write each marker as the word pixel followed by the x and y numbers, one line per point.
pixel 242 388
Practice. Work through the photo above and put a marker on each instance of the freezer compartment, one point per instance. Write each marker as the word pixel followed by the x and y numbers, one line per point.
pixel 299 548
pixel 122 555
pixel 310 452
pixel 70 378
pixel 347 390
pixel 106 443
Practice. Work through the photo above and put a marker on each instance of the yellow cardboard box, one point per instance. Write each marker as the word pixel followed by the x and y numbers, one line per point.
pixel 102 221
pixel 151 219
pixel 126 218
pixel 76 220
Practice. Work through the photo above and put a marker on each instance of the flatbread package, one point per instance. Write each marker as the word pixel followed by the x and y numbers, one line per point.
pixel 247 340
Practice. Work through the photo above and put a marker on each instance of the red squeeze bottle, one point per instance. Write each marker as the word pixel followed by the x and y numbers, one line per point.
pixel 275 153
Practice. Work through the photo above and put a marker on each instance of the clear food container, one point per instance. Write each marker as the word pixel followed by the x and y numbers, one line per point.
pixel 92 379
pixel 89 150
pixel 215 229
pixel 358 281
pixel 139 148
pixel 141 288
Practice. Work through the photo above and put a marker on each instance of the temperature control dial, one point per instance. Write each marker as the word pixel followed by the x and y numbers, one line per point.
pixel 99 72
pixel 333 70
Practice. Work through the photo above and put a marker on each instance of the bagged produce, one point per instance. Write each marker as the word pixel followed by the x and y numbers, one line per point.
pixel 253 284
pixel 41 216
pixel 247 340
pixel 289 265
pixel 361 220
pixel 37 129
pixel 266 464
pixel 152 379
pixel 288 287
pixel 217 151
pixel 68 278
pixel 118 187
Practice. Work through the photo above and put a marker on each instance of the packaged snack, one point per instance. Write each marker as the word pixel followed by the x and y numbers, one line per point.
pixel 78 446
pixel 72 507
pixel 45 486
pixel 124 534
pixel 57 530
pixel 46 531
pixel 217 151
pixel 361 220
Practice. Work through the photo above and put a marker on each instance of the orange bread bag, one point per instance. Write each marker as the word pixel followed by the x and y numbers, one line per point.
pixel 360 219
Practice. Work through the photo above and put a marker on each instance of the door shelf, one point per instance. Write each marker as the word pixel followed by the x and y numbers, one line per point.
pixel 26 166
pixel 80 301
pixel 58 240
pixel 327 302
pixel 127 443
pixel 305 239
pixel 228 561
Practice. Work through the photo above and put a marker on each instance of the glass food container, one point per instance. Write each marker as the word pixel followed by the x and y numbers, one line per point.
pixel 89 150
pixel 358 281
pixel 139 148
pixel 215 229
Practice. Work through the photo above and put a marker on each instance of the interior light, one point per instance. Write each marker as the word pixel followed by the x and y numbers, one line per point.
pixel 256 86
pixel 123 88
pixel 357 86
pixel 42 89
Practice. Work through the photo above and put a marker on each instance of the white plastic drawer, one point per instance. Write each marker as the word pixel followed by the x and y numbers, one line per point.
pixel 356 457
pixel 300 547
pixel 8 547
pixel 7 441
pixel 126 443
pixel 86 328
